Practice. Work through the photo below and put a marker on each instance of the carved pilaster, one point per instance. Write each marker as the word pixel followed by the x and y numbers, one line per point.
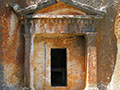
pixel 28 39
pixel 27 64
pixel 91 79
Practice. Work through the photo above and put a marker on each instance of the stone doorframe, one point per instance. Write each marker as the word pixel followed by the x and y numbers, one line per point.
pixel 91 55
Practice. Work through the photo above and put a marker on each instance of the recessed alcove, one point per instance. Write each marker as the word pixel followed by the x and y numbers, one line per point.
pixel 62 64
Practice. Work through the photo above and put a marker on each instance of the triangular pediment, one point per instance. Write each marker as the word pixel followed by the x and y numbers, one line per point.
pixel 58 7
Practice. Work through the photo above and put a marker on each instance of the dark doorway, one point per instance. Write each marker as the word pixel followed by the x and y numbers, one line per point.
pixel 58 67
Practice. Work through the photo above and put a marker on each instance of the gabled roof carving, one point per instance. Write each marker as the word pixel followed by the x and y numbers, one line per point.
pixel 46 3
pixel 32 8
pixel 84 7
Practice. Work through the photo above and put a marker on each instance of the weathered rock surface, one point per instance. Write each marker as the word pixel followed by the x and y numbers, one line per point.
pixel 12 45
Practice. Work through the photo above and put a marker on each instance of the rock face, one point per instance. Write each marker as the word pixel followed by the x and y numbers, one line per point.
pixel 12 45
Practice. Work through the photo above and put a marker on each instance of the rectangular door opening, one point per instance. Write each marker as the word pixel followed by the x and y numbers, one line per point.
pixel 58 67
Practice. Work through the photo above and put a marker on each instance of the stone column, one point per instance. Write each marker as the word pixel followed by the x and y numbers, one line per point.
pixel 91 61
pixel 28 39
pixel 27 62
